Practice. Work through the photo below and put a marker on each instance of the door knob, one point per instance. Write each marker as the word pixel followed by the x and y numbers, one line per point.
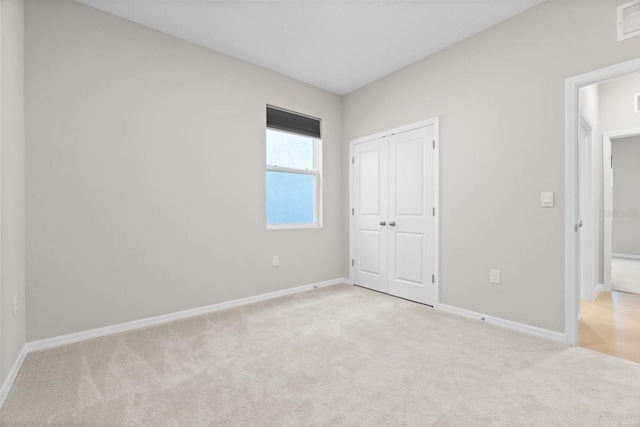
pixel 382 223
pixel 392 224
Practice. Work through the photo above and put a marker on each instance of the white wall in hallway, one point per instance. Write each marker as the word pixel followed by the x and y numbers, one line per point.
pixel 616 103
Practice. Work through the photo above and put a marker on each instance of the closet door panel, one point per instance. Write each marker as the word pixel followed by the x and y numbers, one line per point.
pixel 370 204
pixel 411 203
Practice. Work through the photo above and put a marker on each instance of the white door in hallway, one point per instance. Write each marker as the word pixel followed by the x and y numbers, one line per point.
pixel 393 216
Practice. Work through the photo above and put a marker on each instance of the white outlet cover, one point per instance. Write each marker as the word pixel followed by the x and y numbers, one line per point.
pixel 494 276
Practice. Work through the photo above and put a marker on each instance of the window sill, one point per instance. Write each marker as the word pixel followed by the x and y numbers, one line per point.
pixel 292 226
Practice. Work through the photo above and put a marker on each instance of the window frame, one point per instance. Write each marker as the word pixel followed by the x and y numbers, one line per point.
pixel 317 182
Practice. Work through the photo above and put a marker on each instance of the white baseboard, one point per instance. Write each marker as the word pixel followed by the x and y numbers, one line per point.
pixel 157 320
pixel 597 290
pixel 508 324
pixel 13 374
pixel 628 256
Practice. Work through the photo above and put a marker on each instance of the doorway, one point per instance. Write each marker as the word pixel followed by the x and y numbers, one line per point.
pixel 588 173
pixel 394 212
pixel 578 241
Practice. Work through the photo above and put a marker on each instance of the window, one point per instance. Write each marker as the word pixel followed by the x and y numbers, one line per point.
pixel 293 170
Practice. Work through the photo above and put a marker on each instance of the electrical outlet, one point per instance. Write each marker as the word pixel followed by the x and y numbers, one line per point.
pixel 494 276
pixel 276 260
pixel 15 305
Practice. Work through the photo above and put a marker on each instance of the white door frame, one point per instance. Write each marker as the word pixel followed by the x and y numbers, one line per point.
pixel 572 287
pixel 435 122
pixel 607 193
pixel 0 176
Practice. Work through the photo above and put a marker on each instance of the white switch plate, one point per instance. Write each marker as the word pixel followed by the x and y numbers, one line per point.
pixel 276 260
pixel 546 199
pixel 494 276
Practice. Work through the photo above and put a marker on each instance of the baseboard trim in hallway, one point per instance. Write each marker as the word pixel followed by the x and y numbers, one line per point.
pixel 508 324
pixel 626 256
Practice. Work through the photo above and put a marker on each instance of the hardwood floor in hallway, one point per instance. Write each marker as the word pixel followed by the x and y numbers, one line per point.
pixel 611 324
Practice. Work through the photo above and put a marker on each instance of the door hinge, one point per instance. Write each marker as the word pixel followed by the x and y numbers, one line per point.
pixel 353 263
pixel 434 211
pixel 353 160
pixel 434 144
pixel 433 278
pixel 353 211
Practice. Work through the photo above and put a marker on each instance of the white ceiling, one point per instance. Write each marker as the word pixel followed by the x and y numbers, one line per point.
pixel 336 45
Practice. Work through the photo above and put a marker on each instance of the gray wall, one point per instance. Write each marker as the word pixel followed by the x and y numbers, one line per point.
pixel 626 196
pixel 500 98
pixel 13 189
pixel 146 174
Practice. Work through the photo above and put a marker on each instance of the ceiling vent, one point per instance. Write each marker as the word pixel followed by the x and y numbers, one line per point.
pixel 629 20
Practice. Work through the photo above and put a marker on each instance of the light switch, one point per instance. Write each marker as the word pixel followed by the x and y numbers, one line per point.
pixel 547 199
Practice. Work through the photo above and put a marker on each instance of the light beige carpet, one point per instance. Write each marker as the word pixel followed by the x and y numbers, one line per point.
pixel 625 275
pixel 338 356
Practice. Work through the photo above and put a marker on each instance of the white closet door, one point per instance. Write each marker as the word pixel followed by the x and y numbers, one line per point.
pixel 370 204
pixel 411 218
